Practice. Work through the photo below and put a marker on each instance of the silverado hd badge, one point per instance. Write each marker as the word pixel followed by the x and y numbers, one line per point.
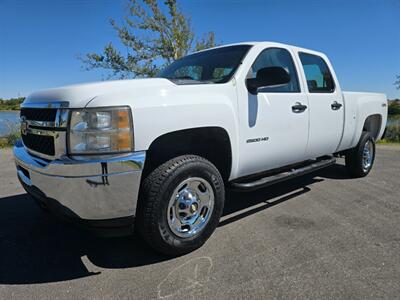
pixel 261 139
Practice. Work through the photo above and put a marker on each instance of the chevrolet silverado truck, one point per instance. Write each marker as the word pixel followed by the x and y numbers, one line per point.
pixel 155 155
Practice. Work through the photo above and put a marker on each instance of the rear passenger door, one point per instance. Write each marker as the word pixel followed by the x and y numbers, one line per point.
pixel 326 105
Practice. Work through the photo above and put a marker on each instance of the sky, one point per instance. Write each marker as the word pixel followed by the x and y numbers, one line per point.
pixel 40 40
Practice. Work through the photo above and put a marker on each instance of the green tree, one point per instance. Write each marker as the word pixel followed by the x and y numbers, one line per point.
pixel 394 108
pixel 154 35
pixel 11 104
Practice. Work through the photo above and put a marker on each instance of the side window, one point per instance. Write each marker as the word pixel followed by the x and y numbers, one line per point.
pixel 220 73
pixel 318 75
pixel 189 72
pixel 276 57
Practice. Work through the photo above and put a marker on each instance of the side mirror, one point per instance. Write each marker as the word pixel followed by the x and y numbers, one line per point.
pixel 268 77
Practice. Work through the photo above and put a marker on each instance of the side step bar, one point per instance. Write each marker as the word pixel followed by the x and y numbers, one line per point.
pixel 269 180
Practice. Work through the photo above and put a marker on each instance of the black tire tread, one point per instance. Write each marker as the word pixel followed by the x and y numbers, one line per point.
pixel 353 157
pixel 149 202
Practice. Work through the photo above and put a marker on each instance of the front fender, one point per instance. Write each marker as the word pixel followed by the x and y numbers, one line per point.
pixel 158 112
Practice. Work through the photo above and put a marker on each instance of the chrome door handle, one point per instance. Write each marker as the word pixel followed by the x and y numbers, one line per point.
pixel 298 107
pixel 336 105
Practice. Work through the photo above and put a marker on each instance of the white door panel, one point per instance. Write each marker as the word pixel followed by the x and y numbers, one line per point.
pixel 326 124
pixel 274 135
pixel 326 105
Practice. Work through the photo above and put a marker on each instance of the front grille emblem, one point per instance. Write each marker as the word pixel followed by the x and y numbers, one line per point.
pixel 24 125
pixel 43 128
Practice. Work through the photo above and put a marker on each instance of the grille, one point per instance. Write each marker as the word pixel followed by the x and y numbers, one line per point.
pixel 39 114
pixel 39 143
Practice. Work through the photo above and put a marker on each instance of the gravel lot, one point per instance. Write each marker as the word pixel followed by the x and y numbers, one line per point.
pixel 320 236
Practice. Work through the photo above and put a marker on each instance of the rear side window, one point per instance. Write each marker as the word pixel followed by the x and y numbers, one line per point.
pixel 276 57
pixel 318 75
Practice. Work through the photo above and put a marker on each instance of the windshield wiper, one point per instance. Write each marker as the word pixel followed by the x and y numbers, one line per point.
pixel 189 78
pixel 181 78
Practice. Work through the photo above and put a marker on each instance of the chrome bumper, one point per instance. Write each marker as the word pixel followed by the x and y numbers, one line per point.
pixel 89 189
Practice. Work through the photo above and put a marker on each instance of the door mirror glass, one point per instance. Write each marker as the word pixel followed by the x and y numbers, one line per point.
pixel 268 77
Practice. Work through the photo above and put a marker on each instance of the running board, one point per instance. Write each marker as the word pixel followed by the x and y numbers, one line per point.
pixel 266 181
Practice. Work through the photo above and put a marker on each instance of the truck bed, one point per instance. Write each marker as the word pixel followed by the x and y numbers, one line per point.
pixel 358 107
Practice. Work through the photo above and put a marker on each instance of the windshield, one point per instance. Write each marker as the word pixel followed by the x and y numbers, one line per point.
pixel 210 66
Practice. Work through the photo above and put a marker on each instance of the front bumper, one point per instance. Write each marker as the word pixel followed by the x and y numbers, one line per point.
pixel 82 188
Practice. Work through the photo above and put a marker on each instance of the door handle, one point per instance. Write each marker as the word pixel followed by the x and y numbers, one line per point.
pixel 336 105
pixel 298 107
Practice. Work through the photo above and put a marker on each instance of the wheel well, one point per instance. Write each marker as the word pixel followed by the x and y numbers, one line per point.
pixel 212 143
pixel 373 125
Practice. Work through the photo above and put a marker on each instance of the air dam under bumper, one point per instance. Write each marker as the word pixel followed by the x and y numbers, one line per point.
pixel 101 192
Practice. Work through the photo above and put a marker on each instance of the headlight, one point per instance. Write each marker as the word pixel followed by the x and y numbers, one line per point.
pixel 100 130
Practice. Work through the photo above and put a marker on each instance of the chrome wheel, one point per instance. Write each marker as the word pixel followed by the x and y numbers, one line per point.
pixel 368 155
pixel 190 207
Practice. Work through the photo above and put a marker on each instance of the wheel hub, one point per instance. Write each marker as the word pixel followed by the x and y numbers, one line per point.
pixel 368 154
pixel 193 208
pixel 187 204
pixel 190 207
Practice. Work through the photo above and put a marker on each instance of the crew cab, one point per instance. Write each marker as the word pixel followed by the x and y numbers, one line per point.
pixel 156 155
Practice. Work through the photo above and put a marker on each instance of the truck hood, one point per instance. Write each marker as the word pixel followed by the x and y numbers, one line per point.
pixel 80 95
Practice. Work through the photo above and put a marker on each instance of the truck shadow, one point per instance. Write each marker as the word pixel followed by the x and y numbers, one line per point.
pixel 35 247
pixel 241 205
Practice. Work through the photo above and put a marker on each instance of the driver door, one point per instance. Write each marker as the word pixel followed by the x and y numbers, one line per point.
pixel 274 132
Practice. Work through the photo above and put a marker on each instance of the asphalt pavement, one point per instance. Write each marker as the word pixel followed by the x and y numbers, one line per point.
pixel 322 236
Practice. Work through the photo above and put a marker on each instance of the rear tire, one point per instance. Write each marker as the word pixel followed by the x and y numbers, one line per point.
pixel 185 190
pixel 360 159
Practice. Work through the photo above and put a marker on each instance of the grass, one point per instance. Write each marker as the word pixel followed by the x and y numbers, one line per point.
pixel 9 140
pixel 392 134
pixel 12 136
pixel 386 142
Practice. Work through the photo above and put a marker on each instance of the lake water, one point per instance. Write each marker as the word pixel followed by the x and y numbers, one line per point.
pixel 8 119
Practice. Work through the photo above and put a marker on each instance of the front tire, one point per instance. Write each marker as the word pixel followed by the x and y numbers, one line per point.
pixel 180 204
pixel 359 160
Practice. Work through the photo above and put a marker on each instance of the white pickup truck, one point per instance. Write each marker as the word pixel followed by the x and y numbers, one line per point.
pixel 156 154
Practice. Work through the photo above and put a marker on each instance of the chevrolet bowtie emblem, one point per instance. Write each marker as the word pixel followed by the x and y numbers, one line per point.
pixel 24 125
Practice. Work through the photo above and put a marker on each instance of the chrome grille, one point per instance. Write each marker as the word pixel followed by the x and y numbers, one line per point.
pixel 38 143
pixel 43 128
pixel 39 114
